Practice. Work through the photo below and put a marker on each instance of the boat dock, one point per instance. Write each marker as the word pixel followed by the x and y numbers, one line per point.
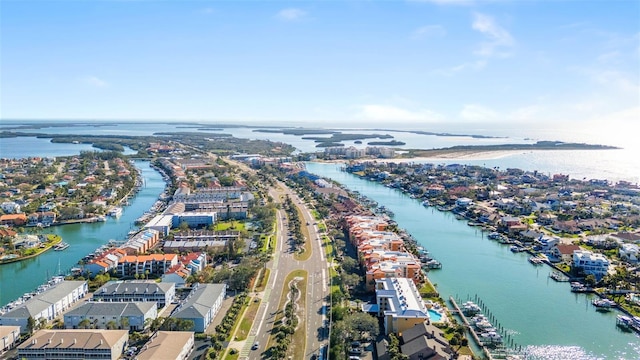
pixel 503 347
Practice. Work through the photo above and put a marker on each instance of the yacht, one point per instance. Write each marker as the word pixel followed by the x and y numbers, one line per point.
pixel 60 246
pixel 470 308
pixel 604 304
pixel 115 212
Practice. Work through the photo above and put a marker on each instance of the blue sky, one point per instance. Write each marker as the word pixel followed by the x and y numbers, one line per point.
pixel 350 62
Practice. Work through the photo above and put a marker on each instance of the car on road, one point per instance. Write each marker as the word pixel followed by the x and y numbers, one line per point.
pixel 255 346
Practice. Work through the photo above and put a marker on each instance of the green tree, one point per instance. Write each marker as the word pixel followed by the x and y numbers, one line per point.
pixel 31 325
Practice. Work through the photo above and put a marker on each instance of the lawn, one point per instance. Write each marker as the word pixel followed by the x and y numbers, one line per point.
pixel 229 225
pixel 299 337
pixel 306 253
pixel 247 320
pixel 263 281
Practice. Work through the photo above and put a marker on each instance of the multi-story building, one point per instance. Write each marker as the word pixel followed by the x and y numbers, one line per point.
pixel 136 291
pixel 154 264
pixel 399 304
pixel 591 263
pixel 111 315
pixel 168 345
pixel 201 305
pixel 48 304
pixel 74 344
pixel 9 336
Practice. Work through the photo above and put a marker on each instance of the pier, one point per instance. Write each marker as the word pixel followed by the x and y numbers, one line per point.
pixel 472 331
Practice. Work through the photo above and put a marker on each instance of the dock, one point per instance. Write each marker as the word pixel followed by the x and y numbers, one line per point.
pixel 472 331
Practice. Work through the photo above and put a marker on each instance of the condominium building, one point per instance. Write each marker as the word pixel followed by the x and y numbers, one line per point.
pixel 168 345
pixel 136 291
pixel 201 305
pixel 105 315
pixel 74 344
pixel 400 304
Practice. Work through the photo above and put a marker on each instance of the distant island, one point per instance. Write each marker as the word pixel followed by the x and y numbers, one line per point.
pixel 386 143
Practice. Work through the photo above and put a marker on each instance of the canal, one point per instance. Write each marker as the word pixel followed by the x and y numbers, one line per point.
pixel 539 314
pixel 24 276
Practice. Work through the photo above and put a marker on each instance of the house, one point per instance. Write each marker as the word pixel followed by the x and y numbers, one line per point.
pixel 629 252
pixel 424 341
pixel 562 252
pixel 74 344
pixel 14 220
pixel 201 305
pixel 591 263
pixel 132 316
pixel 167 345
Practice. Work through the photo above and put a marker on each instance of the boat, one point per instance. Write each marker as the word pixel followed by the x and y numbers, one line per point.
pixel 491 337
pixel 604 304
pixel 558 276
pixel 578 287
pixel 425 203
pixel 470 308
pixel 101 218
pixel 494 235
pixel 60 246
pixel 624 322
pixel 515 248
pixel 536 260
pixel 115 212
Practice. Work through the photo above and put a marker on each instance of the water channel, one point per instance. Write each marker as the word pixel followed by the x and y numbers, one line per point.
pixel 541 315
pixel 24 276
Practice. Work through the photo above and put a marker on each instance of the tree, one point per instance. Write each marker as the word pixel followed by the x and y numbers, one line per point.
pixel 31 324
pixel 124 323
pixel 112 325
pixel 350 265
pixel 84 323
pixel 362 323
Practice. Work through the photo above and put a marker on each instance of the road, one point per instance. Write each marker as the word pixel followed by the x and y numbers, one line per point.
pixel 283 263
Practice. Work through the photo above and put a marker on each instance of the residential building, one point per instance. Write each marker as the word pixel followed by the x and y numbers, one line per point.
pixel 167 345
pixel 591 263
pixel 74 344
pixel 201 305
pixel 154 264
pixel 160 223
pixel 424 341
pixel 136 291
pixel 9 336
pixel 399 304
pixel 105 315
pixel 141 242
pixel 46 305
pixel 629 252
pixel 194 219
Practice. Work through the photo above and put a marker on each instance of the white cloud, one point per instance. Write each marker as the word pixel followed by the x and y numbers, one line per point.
pixel 95 81
pixel 472 65
pixel 291 14
pixel 378 112
pixel 207 10
pixel 499 41
pixel 429 31
pixel 473 112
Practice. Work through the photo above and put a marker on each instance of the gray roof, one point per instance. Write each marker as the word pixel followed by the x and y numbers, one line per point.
pixel 200 301
pixel 133 288
pixel 42 301
pixel 112 309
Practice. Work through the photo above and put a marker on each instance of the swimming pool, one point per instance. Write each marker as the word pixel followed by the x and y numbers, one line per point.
pixel 435 316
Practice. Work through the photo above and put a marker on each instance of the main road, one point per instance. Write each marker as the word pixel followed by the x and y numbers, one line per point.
pixel 315 321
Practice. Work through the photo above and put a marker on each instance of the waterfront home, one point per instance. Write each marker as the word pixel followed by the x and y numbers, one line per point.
pixel 463 202
pixel 74 344
pixel 168 345
pixel 424 341
pixel 9 336
pixel 141 242
pixel 399 304
pixel 104 315
pixel 562 252
pixel 201 305
pixel 591 263
pixel 10 207
pixel 105 262
pixel 136 291
pixel 14 220
pixel 54 299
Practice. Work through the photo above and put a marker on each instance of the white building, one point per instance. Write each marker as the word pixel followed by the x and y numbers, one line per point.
pixel 9 336
pixel 74 344
pixel 629 252
pixel 201 305
pixel 400 304
pixel 136 291
pixel 591 263
pixel 47 304
pixel 102 315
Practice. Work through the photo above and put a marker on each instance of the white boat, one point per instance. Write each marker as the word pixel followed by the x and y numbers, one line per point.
pixel 470 308
pixel 60 246
pixel 490 337
pixel 604 304
pixel 115 212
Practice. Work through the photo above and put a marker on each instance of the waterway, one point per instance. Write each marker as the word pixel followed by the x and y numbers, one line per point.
pixel 541 315
pixel 24 276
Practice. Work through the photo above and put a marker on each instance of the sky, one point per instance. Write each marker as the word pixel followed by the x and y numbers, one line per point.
pixel 320 62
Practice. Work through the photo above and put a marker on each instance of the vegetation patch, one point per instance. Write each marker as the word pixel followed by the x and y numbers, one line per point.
pixel 247 320
pixel 264 278
pixel 289 332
